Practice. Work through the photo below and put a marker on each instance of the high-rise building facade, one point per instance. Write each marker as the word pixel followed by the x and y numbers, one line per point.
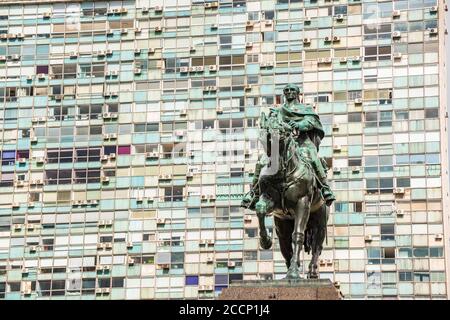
pixel 128 134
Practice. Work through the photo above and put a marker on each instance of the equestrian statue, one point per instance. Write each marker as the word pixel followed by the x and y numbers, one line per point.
pixel 290 182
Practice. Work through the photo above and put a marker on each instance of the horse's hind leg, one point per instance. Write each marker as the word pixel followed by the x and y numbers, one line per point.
pixel 319 225
pixel 301 220
pixel 284 229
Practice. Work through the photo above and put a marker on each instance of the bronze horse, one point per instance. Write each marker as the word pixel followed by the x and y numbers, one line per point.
pixel 289 189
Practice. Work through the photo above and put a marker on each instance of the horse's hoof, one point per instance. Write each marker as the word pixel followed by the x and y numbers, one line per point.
pixel 265 242
pixel 293 274
pixel 313 275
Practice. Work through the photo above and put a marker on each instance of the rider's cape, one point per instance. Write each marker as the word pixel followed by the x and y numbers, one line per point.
pixel 300 112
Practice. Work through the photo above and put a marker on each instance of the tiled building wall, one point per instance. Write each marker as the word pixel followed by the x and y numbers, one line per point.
pixel 128 137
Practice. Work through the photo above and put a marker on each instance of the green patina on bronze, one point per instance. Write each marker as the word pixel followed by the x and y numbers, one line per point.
pixel 291 182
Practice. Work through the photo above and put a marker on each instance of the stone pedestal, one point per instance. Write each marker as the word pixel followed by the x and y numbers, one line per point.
pixel 301 289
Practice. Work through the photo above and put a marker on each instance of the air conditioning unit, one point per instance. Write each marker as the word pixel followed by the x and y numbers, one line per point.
pixel 104 179
pixel 101 53
pixel 130 261
pixel 209 259
pixel 358 101
pixel 26 292
pixel 249 44
pixel 356 169
pixel 30 204
pixel 219 110
pixel 248 87
pixel 137 70
pixel 129 244
pixel 145 10
pixel 343 60
pixel 396 13
pixel 19 183
pixel 123 31
pixel 307 20
pixel 184 69
pixel 439 236
pixel 179 133
pixel 25 271
pixel 112 155
pixel 399 212
pixel 199 68
pixel 324 60
pixel 137 30
pixel 433 30
pixel 337 147
pixel 109 115
pixel 161 221
pixel 210 241
pixel 205 288
pixel 434 9
pixel 40 160
pixel 336 170
pixel 249 24
pixel 214 26
pixel 137 51
pixel 104 158
pixel 22 160
pixel 3 58
pixel 339 17
pixel 17 226
pixel 212 67
pixel 46 15
pixel 165 177
pixel 368 238
pixel 158 9
pixel 306 40
pixel 150 155
pixel 336 39
pixel 356 58
pixel 15 57
pixel 113 73
pixel 247 218
pixel 151 50
pixel 231 264
pixel 105 223
pixel 158 29
pixel 399 190
pixel 38 181
pixel 327 39
pixel 33 248
pixel 211 88
pixel 20 36
pixel 396 34
pixel 397 55
pixel 109 136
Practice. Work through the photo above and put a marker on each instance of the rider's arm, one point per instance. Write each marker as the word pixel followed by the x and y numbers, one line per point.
pixel 306 124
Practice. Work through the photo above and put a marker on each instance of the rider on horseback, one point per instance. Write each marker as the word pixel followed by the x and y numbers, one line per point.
pixel 303 119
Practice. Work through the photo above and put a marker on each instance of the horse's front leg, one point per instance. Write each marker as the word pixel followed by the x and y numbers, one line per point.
pixel 301 220
pixel 262 208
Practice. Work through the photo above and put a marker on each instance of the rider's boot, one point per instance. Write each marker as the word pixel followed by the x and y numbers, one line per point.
pixel 327 194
